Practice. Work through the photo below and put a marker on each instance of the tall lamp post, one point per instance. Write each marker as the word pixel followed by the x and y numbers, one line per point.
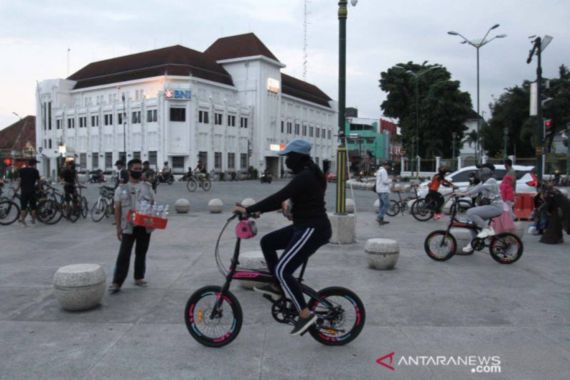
pixel 417 76
pixel 124 131
pixel 341 151
pixel 477 44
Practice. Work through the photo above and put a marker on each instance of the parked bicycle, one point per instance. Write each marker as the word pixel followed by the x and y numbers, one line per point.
pixel 401 205
pixel 214 317
pixel 9 210
pixel 441 245
pixel 104 205
pixel 201 180
pixel 424 209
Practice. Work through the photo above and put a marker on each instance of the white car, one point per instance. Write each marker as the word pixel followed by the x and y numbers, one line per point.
pixel 460 178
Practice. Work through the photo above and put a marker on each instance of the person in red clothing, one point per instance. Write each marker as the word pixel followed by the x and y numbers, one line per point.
pixel 534 182
pixel 433 196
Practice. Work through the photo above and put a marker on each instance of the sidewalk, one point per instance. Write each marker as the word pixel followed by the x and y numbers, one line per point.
pixel 466 306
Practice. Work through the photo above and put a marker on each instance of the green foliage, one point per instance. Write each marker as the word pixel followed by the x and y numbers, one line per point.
pixel 442 107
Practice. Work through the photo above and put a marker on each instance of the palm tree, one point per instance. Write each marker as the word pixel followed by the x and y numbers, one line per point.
pixel 471 138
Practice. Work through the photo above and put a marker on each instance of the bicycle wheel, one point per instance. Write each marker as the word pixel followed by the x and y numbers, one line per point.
pixel 463 206
pixel 206 184
pixel 506 248
pixel 191 185
pixel 73 211
pixel 393 209
pixel 420 210
pixel 440 245
pixel 213 328
pixel 84 207
pixel 47 211
pixel 341 316
pixel 98 210
pixel 9 212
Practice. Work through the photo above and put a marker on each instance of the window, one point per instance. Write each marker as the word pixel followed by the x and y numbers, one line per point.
pixel 49 116
pixel 94 121
pixel 318 132
pixel 108 160
pixel 82 161
pixel 70 123
pixel 243 122
pixel 108 119
pixel 231 160
pixel 177 114
pixel 289 127
pixel 151 116
pixel 49 143
pixel 218 160
pixel 203 117
pixel 282 126
pixel 58 124
pixel 297 128
pixel 152 157
pixel 82 121
pixel 231 121
pixel 304 129
pixel 178 163
pixel 217 118
pixel 137 155
pixel 329 133
pixel 136 117
pixel 243 161
pixel 311 129
pixel 95 160
pixel 120 118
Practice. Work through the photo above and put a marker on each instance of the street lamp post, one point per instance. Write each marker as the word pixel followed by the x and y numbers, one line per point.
pixel 477 44
pixel 341 151
pixel 124 130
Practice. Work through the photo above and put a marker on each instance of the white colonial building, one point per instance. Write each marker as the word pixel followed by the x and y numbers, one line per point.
pixel 230 106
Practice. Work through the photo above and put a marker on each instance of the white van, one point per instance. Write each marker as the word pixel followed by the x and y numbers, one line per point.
pixel 460 178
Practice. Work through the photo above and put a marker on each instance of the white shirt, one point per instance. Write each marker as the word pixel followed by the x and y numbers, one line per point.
pixel 382 181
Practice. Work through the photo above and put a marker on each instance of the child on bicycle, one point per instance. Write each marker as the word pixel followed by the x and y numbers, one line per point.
pixel 310 229
pixel 434 197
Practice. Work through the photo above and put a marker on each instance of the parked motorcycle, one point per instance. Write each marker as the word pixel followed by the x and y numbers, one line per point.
pixel 96 176
pixel 165 177
pixel 266 177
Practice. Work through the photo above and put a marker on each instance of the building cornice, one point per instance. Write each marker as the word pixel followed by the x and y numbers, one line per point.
pixel 252 58
pixel 329 109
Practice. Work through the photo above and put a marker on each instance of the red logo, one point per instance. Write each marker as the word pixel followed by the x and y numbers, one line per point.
pixel 390 360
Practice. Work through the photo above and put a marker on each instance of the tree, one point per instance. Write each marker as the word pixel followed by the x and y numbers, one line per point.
pixel 442 107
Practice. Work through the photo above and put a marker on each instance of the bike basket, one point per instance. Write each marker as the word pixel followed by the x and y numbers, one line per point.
pixel 148 221
pixel 246 229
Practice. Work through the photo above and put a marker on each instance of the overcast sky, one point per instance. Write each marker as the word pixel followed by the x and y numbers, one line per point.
pixel 35 37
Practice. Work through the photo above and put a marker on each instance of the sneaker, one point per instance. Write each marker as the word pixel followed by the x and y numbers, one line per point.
pixel 485 233
pixel 22 222
pixel 303 324
pixel 114 289
pixel 467 250
pixel 142 283
pixel 270 290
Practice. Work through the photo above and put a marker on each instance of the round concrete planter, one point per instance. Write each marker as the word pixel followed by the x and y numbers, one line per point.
pixel 251 260
pixel 215 206
pixel 382 254
pixel 248 202
pixel 349 204
pixel 80 286
pixel 182 206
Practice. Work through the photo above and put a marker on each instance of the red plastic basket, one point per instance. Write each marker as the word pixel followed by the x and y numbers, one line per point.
pixel 148 221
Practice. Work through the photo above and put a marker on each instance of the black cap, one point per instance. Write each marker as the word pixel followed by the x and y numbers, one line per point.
pixel 32 161
pixel 119 162
pixel 386 163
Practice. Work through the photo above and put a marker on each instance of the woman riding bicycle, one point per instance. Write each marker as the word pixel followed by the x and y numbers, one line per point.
pixel 490 205
pixel 310 229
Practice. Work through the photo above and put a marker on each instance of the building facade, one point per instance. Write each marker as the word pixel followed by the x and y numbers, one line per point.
pixel 230 107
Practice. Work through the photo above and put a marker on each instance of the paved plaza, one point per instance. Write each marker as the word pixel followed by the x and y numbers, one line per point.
pixel 420 315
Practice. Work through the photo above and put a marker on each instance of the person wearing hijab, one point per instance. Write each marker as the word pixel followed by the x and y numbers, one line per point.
pixel 490 207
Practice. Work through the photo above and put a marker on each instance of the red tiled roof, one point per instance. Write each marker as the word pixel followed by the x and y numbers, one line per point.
pixel 173 60
pixel 306 91
pixel 19 134
pixel 241 45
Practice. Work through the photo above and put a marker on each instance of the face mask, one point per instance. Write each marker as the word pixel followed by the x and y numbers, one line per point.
pixel 136 174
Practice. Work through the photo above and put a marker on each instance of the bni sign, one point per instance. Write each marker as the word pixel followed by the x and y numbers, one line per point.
pixel 178 94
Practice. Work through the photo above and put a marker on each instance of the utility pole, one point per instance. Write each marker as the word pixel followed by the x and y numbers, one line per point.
pixel 505 142
pixel 567 150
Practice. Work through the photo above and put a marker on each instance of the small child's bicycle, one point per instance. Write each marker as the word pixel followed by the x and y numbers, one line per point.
pixel 214 316
pixel 505 248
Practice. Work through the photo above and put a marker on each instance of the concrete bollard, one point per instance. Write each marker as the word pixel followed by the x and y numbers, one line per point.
pixel 382 253
pixel 520 229
pixel 182 206
pixel 215 206
pixel 80 286
pixel 248 202
pixel 251 260
pixel 349 204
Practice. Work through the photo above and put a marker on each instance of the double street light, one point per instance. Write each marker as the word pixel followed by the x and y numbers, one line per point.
pixel 477 44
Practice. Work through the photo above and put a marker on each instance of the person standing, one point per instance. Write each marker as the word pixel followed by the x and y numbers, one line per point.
pixel 383 183
pixel 69 177
pixel 28 179
pixel 122 174
pixel 149 175
pixel 510 171
pixel 128 197
pixel 509 184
